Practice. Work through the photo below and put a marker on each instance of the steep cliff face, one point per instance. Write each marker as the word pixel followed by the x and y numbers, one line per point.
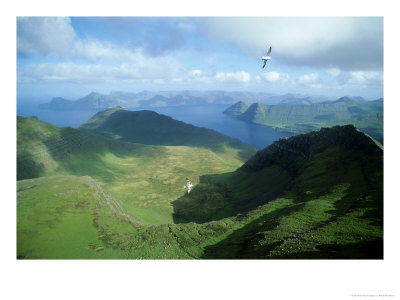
pixel 255 113
pixel 293 152
pixel 237 109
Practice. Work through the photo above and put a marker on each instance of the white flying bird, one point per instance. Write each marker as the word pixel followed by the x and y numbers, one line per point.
pixel 266 58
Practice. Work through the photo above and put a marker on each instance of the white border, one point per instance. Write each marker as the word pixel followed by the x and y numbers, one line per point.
pixel 259 279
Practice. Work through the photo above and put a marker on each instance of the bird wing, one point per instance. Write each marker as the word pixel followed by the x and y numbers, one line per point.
pixel 269 51
pixel 265 61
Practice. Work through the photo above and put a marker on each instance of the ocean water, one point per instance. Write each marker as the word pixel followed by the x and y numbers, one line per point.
pixel 209 116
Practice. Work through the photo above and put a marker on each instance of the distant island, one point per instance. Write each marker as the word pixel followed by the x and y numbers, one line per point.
pixel 300 118
pixel 148 99
pixel 293 113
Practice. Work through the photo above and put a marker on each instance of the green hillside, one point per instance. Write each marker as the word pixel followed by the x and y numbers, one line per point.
pixel 145 178
pixel 315 195
pixel 324 195
pixel 150 128
pixel 61 217
pixel 365 115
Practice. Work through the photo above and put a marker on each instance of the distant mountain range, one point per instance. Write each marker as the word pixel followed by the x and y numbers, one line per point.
pixel 96 101
pixel 91 101
pixel 301 118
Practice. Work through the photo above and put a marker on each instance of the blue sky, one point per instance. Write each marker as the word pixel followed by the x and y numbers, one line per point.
pixel 70 57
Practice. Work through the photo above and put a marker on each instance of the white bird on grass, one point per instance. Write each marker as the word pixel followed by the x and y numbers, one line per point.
pixel 188 185
pixel 267 57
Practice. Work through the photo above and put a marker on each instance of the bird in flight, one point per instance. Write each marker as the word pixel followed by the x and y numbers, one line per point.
pixel 267 57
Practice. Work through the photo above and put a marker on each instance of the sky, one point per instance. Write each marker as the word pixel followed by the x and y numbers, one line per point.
pixel 72 56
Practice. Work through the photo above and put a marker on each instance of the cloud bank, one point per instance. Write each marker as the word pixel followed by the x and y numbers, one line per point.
pixel 347 43
pixel 308 52
pixel 45 36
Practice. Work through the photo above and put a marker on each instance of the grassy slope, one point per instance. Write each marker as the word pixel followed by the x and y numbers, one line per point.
pixel 57 217
pixel 332 217
pixel 68 217
pixel 145 178
pixel 367 116
pixel 331 208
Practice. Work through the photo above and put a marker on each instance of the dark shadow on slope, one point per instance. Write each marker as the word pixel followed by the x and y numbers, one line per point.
pixel 374 201
pixel 150 128
pixel 219 196
pixel 358 164
pixel 81 154
pixel 243 243
pixel 27 166
pixel 245 151
pixel 362 250
pixel 364 173
pixel 207 201
pixel 84 153
pixel 249 243
pixel 240 244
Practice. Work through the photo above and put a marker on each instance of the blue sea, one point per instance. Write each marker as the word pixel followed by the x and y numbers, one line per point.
pixel 209 116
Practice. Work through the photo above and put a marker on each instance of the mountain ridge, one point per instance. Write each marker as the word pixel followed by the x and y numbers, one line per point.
pixel 313 186
pixel 288 157
pixel 149 127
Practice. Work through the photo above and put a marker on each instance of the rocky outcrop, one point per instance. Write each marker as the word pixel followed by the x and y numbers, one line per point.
pixel 291 153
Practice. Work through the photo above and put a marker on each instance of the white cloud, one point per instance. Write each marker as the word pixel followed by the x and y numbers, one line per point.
pixel 56 37
pixel 342 80
pixel 141 68
pixel 197 76
pixel 47 36
pixel 275 77
pixel 234 77
pixel 94 50
pixel 365 78
pixel 99 61
pixel 361 79
pixel 349 43
pixel 61 72
pixel 310 80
